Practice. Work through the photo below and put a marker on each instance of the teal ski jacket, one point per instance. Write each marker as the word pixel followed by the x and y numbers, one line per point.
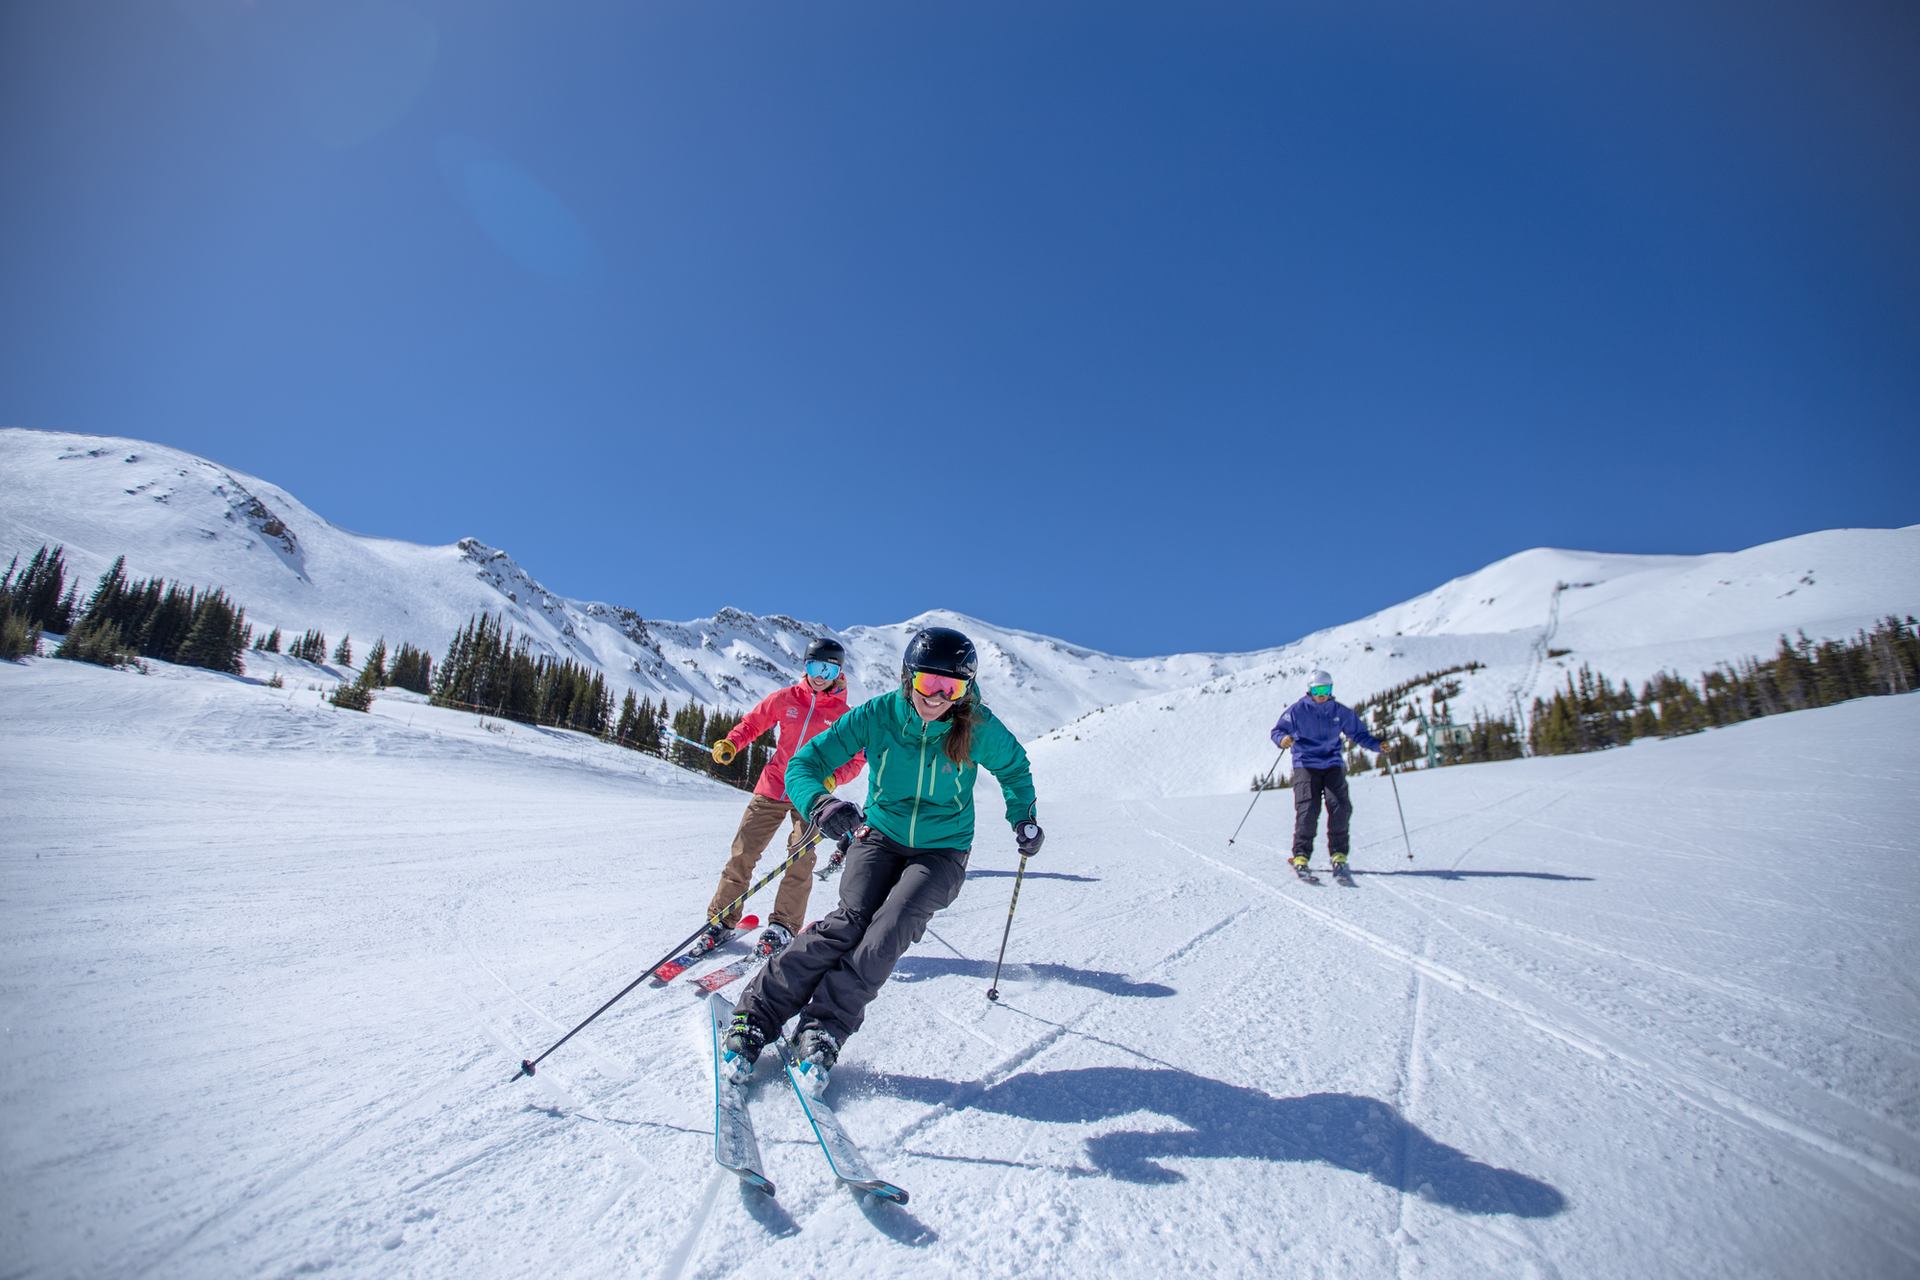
pixel 915 795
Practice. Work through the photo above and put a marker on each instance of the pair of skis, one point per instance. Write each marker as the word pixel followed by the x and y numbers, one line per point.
pixel 696 953
pixel 1341 875
pixel 736 1148
pixel 714 979
pixel 728 974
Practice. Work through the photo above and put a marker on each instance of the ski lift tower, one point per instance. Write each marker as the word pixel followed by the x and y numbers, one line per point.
pixel 1443 733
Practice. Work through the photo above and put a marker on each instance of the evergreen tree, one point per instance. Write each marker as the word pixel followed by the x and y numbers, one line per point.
pixel 351 696
pixel 343 656
pixel 100 642
pixel 216 639
pixel 411 668
pixel 626 729
pixel 168 623
pixel 17 639
pixel 374 674
pixel 39 592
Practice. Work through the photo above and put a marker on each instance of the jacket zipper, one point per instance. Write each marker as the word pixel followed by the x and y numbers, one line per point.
pixel 799 742
pixel 913 823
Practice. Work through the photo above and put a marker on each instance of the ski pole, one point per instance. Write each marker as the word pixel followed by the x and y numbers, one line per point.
pixel 1396 804
pixel 993 989
pixel 1257 793
pixel 807 838
pixel 689 741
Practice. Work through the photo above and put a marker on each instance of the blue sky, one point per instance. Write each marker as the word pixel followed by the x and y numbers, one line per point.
pixel 1156 328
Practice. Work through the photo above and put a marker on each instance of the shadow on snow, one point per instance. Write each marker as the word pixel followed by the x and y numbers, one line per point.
pixel 1223 1121
pixel 1439 874
pixel 920 968
pixel 982 874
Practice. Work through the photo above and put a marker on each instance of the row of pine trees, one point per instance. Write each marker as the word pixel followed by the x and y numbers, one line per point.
pixel 487 668
pixel 127 619
pixel 34 599
pixel 491 670
pixel 1594 712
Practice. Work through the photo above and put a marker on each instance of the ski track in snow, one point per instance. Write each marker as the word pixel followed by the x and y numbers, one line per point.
pixel 1695 1087
pixel 267 985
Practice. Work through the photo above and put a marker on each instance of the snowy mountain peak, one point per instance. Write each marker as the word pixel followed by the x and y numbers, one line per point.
pixel 1523 618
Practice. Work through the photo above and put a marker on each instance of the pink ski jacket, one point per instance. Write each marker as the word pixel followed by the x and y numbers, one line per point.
pixel 796 713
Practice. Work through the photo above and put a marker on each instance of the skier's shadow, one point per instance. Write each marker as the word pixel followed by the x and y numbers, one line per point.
pixel 980 873
pixel 1441 874
pixel 920 968
pixel 1223 1121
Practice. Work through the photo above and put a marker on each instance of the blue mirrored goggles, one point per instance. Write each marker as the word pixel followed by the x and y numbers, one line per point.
pixel 823 670
pixel 1320 690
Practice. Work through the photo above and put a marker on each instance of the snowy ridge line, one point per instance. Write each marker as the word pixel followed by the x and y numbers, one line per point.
pixel 1703 1093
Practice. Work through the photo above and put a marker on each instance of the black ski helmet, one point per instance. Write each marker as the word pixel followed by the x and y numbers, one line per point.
pixel 941 650
pixel 826 649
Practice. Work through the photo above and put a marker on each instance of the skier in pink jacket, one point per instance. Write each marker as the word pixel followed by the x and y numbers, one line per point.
pixel 797 713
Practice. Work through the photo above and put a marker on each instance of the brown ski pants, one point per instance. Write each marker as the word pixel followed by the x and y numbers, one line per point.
pixel 757 825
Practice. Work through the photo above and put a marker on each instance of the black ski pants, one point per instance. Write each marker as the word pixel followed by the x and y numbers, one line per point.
pixel 829 973
pixel 1309 787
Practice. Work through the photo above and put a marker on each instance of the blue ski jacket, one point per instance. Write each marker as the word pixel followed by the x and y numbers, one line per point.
pixel 1315 728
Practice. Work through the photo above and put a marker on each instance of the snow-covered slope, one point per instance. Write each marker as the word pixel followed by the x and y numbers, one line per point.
pixel 266 969
pixel 1185 724
pixel 184 518
pixel 1530 619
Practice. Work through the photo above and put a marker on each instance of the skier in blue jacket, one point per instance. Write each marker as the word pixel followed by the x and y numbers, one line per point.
pixel 1312 727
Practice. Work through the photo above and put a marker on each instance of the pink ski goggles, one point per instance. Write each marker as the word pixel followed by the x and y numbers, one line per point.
pixel 931 685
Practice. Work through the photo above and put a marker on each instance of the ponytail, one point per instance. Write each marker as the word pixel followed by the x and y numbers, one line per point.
pixel 959 743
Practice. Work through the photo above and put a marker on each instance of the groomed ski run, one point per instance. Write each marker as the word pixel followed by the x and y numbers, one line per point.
pixel 1643 1012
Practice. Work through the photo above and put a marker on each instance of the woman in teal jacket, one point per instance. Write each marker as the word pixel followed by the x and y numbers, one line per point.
pixel 925 744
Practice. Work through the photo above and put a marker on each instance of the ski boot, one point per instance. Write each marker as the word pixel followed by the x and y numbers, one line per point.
pixel 771 939
pixel 704 941
pixel 740 1049
pixel 1299 864
pixel 1340 871
pixel 835 860
pixel 814 1052
pixel 710 937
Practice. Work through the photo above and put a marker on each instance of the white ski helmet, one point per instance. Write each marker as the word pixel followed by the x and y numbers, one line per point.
pixel 1317 676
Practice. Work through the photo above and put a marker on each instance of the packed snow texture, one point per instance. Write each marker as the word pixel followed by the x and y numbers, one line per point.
pixel 268 968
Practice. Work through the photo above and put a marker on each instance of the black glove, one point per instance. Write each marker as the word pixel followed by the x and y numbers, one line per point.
pixel 1029 837
pixel 836 818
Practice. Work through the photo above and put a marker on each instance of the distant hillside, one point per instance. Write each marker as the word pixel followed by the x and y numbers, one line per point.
pixel 1187 723
pixel 1530 619
pixel 184 518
